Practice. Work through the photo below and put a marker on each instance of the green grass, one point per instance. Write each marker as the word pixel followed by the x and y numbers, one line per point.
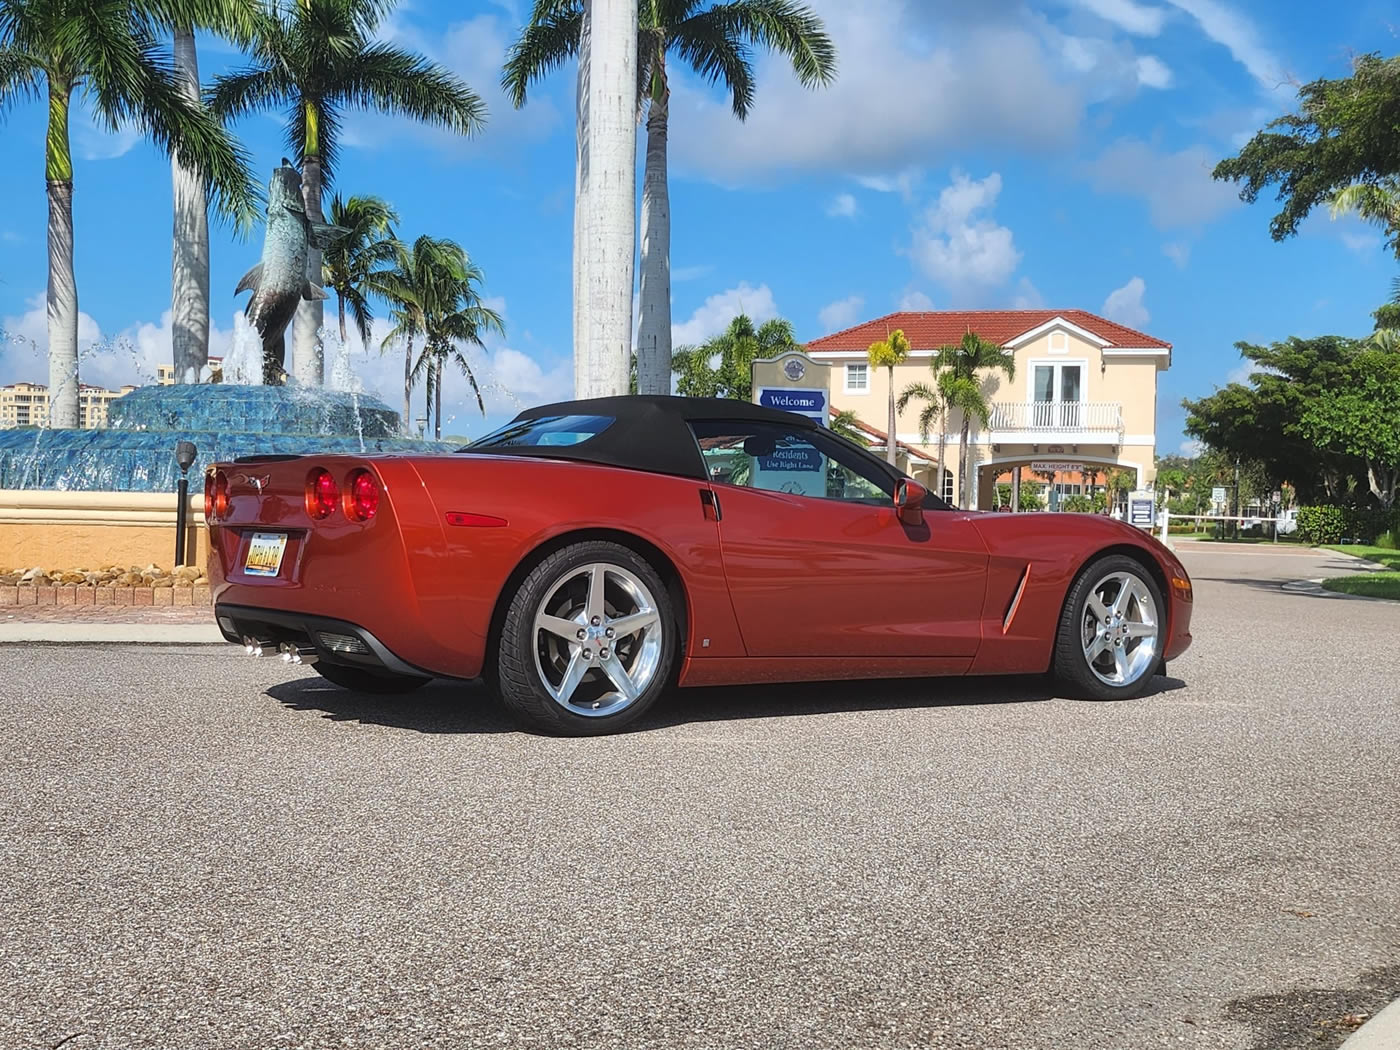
pixel 1369 584
pixel 1207 538
pixel 1381 555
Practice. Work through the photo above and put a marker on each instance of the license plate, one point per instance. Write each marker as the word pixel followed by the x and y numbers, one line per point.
pixel 265 552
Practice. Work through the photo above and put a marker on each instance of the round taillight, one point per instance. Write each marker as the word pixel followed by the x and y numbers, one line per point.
pixel 208 496
pixel 361 496
pixel 321 494
pixel 220 494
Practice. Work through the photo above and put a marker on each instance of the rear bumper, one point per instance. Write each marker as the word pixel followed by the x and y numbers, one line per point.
pixel 335 641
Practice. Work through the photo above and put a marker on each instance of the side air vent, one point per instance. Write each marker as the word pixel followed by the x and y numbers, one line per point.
pixel 1016 600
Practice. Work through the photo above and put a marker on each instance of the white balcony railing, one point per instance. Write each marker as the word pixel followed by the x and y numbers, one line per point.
pixel 1058 416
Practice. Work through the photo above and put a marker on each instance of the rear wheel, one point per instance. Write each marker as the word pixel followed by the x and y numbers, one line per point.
pixel 363 680
pixel 588 642
pixel 1110 637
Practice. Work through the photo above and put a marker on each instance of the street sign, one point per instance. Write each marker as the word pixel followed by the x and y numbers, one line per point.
pixel 804 402
pixel 1217 495
pixel 1052 466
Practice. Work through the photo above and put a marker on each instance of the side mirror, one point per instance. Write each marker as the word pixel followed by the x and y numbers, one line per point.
pixel 909 502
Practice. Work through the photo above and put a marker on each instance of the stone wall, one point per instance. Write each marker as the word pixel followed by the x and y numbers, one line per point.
pixel 96 529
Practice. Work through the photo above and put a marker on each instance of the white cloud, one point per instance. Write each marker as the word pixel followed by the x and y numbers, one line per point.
pixel 1128 15
pixel 915 300
pixel 904 183
pixel 10 236
pixel 842 206
pixel 473 50
pixel 843 313
pixel 714 315
pixel 691 273
pixel 958 245
pixel 1028 296
pixel 1191 448
pixel 1178 252
pixel 94 141
pixel 1177 186
pixel 1153 72
pixel 1238 34
pixel 945 97
pixel 1362 244
pixel 1125 305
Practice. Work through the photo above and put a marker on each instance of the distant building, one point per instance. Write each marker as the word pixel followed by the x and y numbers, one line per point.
pixel 165 374
pixel 27 405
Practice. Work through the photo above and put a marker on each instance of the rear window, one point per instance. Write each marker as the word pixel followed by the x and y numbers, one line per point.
pixel 544 432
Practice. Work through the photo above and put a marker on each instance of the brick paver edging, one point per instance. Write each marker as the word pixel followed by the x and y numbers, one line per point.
pixel 78 595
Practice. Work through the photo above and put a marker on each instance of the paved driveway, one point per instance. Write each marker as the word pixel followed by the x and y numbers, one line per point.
pixel 202 850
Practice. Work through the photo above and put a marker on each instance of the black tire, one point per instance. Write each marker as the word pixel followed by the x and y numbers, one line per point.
pixel 522 655
pixel 1071 667
pixel 363 680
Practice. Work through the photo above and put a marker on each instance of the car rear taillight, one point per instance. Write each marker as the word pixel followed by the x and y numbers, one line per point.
pixel 220 501
pixel 208 496
pixel 321 494
pixel 361 496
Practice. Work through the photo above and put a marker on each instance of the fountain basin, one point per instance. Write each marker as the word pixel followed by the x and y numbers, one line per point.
pixel 224 421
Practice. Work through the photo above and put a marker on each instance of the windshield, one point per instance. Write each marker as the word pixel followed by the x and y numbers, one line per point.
pixel 545 431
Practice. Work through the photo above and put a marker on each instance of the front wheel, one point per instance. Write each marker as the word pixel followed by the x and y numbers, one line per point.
pixel 588 642
pixel 362 680
pixel 1111 631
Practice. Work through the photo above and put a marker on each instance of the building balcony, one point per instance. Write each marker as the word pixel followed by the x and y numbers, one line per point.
pixel 1083 420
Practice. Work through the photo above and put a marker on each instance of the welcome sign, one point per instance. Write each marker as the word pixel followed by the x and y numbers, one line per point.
pixel 804 402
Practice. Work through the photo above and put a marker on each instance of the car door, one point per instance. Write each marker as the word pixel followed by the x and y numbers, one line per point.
pixel 818 562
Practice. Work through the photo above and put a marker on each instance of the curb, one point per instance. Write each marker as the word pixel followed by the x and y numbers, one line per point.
pixel 1315 588
pixel 111 634
pixel 1381 1032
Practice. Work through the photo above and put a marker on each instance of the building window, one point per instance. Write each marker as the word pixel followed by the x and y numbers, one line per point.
pixel 857 379
pixel 948 487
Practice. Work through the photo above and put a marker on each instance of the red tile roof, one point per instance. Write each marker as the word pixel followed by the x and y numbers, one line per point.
pixel 877 437
pixel 930 329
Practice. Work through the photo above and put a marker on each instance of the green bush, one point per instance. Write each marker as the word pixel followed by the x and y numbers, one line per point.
pixel 1387 540
pixel 1332 524
pixel 1081 504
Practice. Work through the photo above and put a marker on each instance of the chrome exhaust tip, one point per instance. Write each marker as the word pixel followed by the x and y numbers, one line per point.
pixel 256 646
pixel 297 654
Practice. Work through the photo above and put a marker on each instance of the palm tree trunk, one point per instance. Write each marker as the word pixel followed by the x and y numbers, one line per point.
pixel 581 131
pixel 962 461
pixel 340 304
pixel 612 195
pixel 437 409
pixel 891 447
pixel 189 251
pixel 408 387
pixel 308 355
pixel 63 286
pixel 654 327
pixel 942 447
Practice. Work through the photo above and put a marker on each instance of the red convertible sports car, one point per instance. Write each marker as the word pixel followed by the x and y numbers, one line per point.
pixel 591 554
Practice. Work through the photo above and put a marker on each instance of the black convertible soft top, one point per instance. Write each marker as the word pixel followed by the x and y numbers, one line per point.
pixel 648 432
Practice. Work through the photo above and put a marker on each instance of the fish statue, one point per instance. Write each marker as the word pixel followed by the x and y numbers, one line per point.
pixel 278 281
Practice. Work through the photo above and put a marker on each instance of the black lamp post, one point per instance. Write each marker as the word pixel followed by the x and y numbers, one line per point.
pixel 184 456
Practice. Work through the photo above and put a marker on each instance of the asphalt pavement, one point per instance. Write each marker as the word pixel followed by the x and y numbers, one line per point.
pixel 199 849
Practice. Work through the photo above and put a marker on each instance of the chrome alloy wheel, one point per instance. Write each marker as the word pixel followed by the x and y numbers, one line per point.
pixel 597 639
pixel 1122 634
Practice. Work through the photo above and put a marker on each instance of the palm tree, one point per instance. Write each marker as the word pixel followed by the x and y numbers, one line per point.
pixel 843 423
pixel 717 41
pixel 108 49
pixel 355 263
pixel 453 314
pixel 965 360
pixel 410 288
pixel 723 365
pixel 1374 202
pixel 888 352
pixel 189 250
pixel 316 59
pixel 937 398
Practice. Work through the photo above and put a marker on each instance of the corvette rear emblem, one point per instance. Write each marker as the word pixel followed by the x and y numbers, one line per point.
pixel 256 481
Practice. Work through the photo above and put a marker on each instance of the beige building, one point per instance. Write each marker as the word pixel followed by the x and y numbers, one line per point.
pixel 27 405
pixel 1084 395
pixel 165 374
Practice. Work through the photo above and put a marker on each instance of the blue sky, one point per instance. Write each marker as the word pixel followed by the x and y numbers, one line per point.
pixel 988 154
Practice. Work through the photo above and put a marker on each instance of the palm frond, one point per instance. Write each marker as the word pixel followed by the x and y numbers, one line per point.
pixel 719 57
pixel 550 38
pixel 791 29
pixel 21 76
pixel 391 80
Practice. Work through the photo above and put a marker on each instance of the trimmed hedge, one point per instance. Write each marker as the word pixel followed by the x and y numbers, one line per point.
pixel 1333 524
